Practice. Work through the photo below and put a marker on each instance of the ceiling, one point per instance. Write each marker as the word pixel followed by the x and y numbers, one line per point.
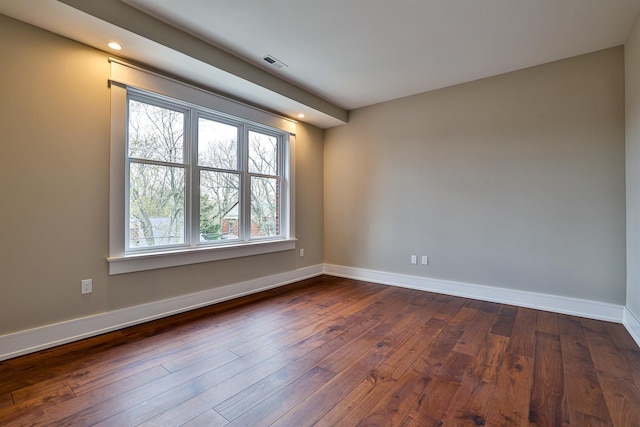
pixel 339 54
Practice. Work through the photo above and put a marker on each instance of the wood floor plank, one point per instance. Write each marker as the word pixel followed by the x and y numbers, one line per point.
pixel 583 420
pixel 408 391
pixel 575 349
pixel 312 328
pixel 455 367
pixel 620 336
pixel 119 362
pixel 510 406
pixel 253 394
pixel 141 405
pixel 96 378
pixel 632 359
pixel 34 368
pixel 376 394
pixel 35 404
pixel 450 308
pixel 605 355
pixel 471 403
pixel 418 419
pixel 300 310
pixel 504 321
pixel 434 355
pixel 489 359
pixel 336 352
pixel 184 413
pixel 474 333
pixel 312 409
pixel 198 356
pixel 104 409
pixel 369 390
pixel 218 393
pixel 360 393
pixel 378 344
pixel 523 334
pixel 209 418
pixel 6 400
pixel 336 324
pixel 276 405
pixel 272 374
pixel 38 390
pixel 394 331
pixel 53 413
pixel 260 341
pixel 547 322
pixel 584 394
pixel 436 397
pixel 489 307
pixel 393 405
pixel 627 348
pixel 623 400
pixel 548 404
pixel 405 357
pixel 363 302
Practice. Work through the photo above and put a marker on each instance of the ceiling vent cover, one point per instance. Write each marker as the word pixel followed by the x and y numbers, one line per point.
pixel 274 62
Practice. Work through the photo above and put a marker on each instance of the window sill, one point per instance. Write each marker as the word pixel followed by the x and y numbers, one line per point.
pixel 152 261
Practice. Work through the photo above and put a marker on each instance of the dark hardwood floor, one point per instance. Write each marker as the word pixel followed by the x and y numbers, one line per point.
pixel 336 352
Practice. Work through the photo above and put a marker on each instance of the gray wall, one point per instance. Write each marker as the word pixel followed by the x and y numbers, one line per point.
pixel 514 181
pixel 54 184
pixel 632 74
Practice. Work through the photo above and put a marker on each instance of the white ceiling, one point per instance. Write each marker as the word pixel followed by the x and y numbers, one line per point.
pixel 361 52
pixel 354 53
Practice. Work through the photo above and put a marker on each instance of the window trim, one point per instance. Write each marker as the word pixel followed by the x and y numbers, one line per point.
pixel 126 76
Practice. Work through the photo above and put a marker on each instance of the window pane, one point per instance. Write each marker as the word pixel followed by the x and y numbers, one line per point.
pixel 217 145
pixel 156 205
pixel 265 207
pixel 263 153
pixel 155 133
pixel 219 200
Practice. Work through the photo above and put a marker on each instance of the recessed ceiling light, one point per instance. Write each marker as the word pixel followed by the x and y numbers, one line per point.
pixel 301 116
pixel 114 45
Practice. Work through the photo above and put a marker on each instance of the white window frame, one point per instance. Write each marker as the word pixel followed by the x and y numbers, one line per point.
pixel 125 79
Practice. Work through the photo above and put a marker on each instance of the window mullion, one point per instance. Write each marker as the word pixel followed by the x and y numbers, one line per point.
pixel 194 180
pixel 245 196
pixel 282 194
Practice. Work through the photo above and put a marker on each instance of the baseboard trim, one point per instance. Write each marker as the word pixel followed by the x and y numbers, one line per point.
pixel 632 324
pixel 31 340
pixel 554 303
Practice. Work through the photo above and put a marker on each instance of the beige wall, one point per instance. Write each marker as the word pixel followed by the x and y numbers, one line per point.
pixel 632 77
pixel 514 181
pixel 54 182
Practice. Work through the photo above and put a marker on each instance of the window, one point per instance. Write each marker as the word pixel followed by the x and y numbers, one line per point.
pixel 177 154
pixel 191 182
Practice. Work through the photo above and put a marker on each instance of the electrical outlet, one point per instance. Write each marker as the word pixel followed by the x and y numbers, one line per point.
pixel 87 286
pixel 414 259
pixel 425 260
pixel 301 253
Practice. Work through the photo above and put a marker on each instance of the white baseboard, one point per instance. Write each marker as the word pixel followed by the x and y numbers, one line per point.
pixel 31 340
pixel 558 304
pixel 28 341
pixel 632 324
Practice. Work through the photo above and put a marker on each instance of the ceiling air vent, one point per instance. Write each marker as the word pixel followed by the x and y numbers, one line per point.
pixel 274 62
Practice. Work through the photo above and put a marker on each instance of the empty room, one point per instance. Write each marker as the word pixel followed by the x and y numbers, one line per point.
pixel 331 213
